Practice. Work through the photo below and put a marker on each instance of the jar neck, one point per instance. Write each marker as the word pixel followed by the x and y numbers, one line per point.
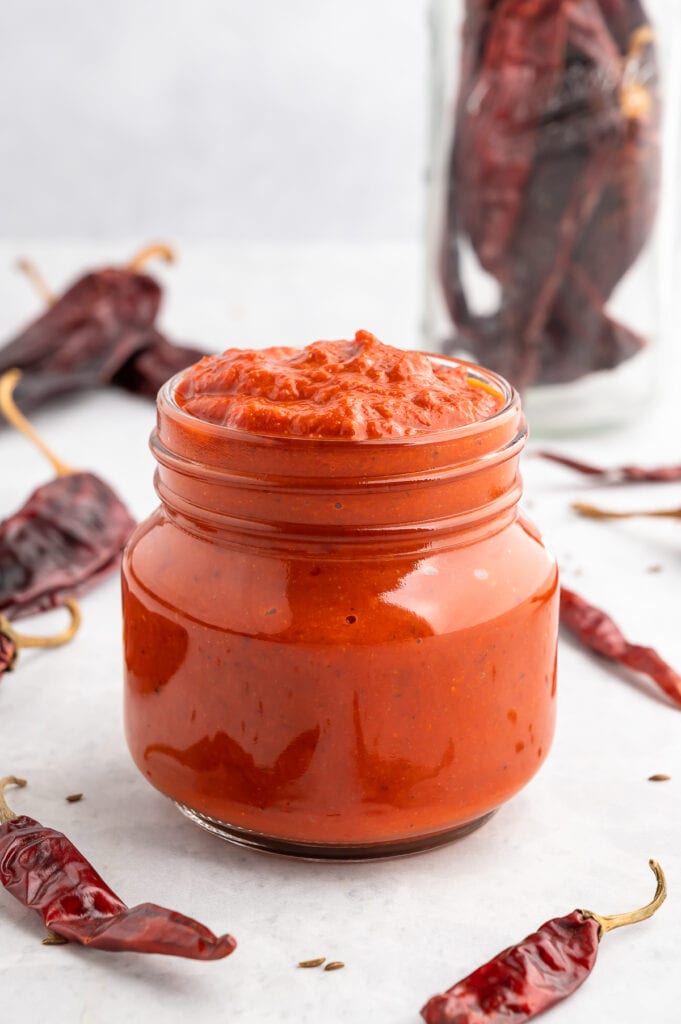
pixel 455 481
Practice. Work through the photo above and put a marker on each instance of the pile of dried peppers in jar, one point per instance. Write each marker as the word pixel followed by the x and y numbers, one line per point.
pixel 553 180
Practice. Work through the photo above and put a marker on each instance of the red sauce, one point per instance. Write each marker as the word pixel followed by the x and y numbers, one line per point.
pixel 357 389
pixel 333 643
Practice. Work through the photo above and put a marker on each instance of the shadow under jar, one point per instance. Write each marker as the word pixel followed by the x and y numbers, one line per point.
pixel 337 648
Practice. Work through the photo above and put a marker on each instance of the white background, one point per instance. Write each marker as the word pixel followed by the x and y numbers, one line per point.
pixel 237 119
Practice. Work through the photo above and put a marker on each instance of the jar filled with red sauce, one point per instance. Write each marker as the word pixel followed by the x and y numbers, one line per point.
pixel 339 629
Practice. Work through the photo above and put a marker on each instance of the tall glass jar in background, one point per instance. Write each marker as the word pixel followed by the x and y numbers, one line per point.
pixel 550 237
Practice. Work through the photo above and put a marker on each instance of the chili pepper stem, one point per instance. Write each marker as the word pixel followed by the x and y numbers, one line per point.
pixel 21 640
pixel 608 924
pixel 9 410
pixel 593 512
pixel 52 939
pixel 6 812
pixel 643 36
pixel 635 100
pixel 36 278
pixel 158 250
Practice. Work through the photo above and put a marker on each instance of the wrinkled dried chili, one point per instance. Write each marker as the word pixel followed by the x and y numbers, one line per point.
pixel 542 970
pixel 616 474
pixel 597 631
pixel 553 180
pixel 44 871
pixel 101 330
pixel 67 536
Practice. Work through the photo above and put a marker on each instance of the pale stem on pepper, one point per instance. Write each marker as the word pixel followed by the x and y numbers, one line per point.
pixel 608 924
pixel 22 640
pixel 635 100
pixel 37 279
pixel 158 250
pixel 9 410
pixel 593 512
pixel 6 812
pixel 643 36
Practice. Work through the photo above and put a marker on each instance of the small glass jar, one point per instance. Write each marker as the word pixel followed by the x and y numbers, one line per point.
pixel 335 648
pixel 551 244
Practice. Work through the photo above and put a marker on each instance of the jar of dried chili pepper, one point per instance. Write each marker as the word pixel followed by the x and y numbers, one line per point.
pixel 339 648
pixel 550 242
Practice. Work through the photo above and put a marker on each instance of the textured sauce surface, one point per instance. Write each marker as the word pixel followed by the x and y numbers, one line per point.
pixel 359 389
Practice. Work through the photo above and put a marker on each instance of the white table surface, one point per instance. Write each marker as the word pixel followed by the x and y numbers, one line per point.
pixel 579 835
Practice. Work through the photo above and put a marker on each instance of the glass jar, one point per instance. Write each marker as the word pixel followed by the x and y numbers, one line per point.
pixel 550 244
pixel 339 648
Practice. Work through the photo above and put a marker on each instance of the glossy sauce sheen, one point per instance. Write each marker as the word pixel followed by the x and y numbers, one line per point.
pixel 337 642
pixel 357 389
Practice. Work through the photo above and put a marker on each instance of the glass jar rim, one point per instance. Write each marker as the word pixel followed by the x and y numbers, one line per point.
pixel 166 397
pixel 239 480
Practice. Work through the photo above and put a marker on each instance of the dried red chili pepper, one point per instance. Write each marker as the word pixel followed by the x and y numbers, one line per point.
pixel 152 366
pixel 66 537
pixel 542 970
pixel 553 180
pixel 101 330
pixel 616 474
pixel 601 634
pixel 44 871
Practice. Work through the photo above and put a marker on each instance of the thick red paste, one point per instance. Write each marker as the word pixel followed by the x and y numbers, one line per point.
pixel 360 389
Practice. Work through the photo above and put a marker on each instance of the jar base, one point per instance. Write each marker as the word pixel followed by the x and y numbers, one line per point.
pixel 329 851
